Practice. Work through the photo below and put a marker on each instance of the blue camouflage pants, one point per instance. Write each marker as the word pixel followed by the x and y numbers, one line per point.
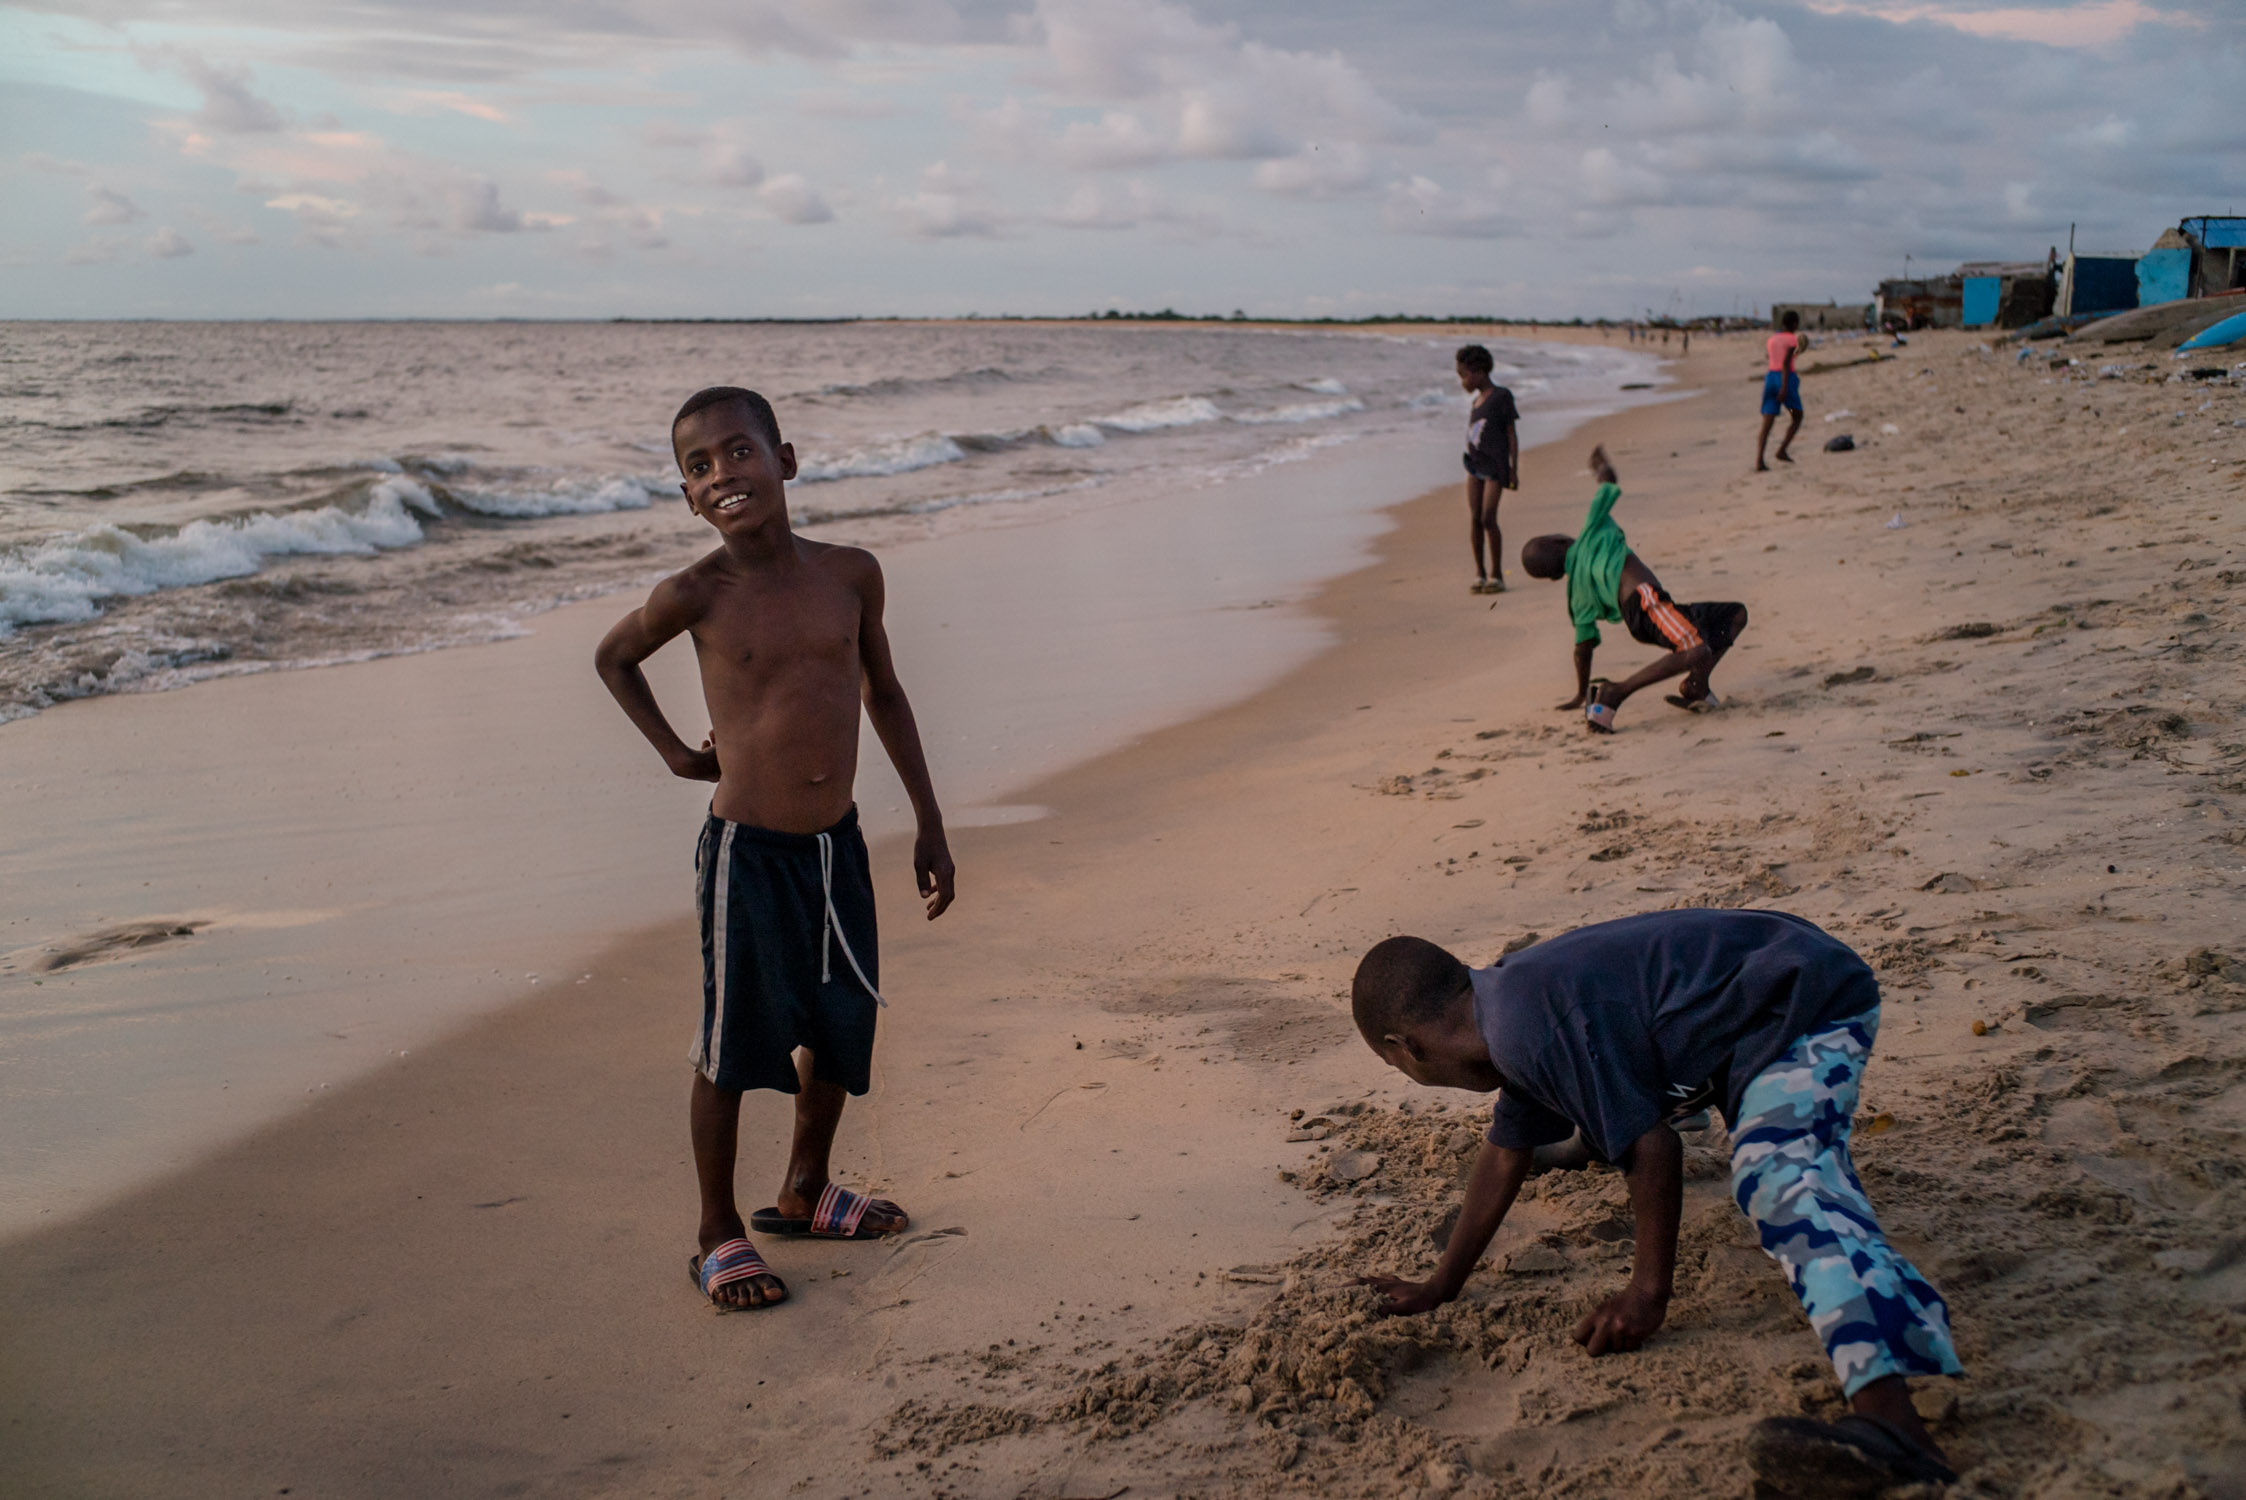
pixel 1790 1173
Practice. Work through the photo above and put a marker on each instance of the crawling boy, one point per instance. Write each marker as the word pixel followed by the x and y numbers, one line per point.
pixel 789 635
pixel 1614 1028
pixel 1606 581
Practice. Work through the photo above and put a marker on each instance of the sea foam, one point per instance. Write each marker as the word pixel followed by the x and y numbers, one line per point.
pixel 1154 416
pixel 65 578
pixel 889 456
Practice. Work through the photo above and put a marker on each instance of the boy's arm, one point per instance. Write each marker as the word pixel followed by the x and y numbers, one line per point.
pixel 1583 650
pixel 886 705
pixel 670 610
pixel 1513 455
pixel 1499 1172
pixel 1628 1318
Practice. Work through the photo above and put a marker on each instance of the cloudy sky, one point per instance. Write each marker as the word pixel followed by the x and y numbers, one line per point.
pixel 568 158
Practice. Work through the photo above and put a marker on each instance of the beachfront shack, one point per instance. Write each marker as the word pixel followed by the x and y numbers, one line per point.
pixel 2005 294
pixel 2209 252
pixel 1921 302
pixel 1821 317
pixel 2095 284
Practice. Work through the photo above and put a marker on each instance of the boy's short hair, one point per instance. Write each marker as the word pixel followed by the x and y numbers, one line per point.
pixel 1546 556
pixel 1404 982
pixel 1791 321
pixel 760 410
pixel 1474 357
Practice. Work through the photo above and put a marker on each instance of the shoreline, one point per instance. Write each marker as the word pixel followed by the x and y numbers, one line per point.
pixel 472 1259
pixel 1029 643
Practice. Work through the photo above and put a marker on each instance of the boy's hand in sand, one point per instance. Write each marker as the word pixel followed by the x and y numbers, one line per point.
pixel 1401 1298
pixel 1622 1322
pixel 931 865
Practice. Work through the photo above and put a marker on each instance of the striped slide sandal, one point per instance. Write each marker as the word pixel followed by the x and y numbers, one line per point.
pixel 735 1260
pixel 839 1215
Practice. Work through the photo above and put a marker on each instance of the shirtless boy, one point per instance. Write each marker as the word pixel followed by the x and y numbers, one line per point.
pixel 1781 387
pixel 1606 581
pixel 789 636
pixel 1493 461
pixel 1613 1029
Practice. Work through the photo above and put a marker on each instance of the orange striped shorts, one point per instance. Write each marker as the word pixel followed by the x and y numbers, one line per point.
pixel 1653 617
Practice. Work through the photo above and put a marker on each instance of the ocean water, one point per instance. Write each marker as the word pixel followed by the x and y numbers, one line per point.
pixel 182 500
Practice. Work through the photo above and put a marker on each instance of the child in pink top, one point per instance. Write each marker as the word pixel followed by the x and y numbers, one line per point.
pixel 1781 387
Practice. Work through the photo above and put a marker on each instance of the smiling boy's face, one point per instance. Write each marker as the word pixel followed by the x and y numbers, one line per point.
pixel 731 472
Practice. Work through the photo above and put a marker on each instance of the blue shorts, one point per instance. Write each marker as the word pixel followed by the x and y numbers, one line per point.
pixel 1780 388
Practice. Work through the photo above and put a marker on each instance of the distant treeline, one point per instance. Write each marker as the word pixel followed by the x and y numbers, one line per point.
pixel 1172 315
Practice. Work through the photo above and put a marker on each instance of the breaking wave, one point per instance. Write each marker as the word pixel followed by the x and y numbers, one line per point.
pixel 1154 416
pixel 66 578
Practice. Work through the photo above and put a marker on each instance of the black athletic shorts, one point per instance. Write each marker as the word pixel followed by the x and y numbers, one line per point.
pixel 788 955
pixel 1651 616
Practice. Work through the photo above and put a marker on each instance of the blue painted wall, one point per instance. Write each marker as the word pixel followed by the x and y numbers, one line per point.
pixel 2163 276
pixel 1981 300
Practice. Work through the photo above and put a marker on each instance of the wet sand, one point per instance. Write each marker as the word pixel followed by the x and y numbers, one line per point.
pixel 1996 748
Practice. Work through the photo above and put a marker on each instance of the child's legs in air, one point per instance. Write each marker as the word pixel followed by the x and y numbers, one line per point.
pixel 1791 1175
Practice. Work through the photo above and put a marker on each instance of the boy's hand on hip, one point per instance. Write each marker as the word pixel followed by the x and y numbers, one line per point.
pixel 1401 1298
pixel 932 867
pixel 1622 1322
pixel 698 765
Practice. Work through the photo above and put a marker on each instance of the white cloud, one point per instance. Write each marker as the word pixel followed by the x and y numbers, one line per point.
pixel 731 165
pixel 229 104
pixel 168 243
pixel 795 201
pixel 92 253
pixel 1117 139
pixel 949 205
pixel 1317 172
pixel 1420 205
pixel 109 207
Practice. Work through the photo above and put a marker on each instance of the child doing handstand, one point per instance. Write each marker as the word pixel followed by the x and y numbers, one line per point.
pixel 1616 1028
pixel 1606 581
pixel 789 636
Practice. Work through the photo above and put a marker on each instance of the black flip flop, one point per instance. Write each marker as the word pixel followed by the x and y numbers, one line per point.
pixel 1857 1456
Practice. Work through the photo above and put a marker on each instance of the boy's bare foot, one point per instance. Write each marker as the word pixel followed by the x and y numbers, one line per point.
pixel 1783 456
pixel 1761 467
pixel 734 1277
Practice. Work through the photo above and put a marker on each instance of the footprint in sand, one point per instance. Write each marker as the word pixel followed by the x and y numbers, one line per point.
pixel 115 942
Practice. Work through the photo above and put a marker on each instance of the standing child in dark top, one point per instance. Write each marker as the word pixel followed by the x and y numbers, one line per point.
pixel 1614 1029
pixel 1493 461
pixel 790 639
pixel 1606 581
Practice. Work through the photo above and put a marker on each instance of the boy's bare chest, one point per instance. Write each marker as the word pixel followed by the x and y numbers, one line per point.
pixel 767 631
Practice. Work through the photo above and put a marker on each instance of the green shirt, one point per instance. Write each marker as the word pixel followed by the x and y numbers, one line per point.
pixel 1594 567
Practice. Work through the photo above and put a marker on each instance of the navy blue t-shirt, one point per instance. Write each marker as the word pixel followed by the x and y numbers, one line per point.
pixel 1617 1026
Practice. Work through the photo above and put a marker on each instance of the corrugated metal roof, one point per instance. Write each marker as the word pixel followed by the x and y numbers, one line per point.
pixel 2217 233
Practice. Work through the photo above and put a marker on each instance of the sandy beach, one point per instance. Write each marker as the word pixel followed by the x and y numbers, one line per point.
pixel 1985 726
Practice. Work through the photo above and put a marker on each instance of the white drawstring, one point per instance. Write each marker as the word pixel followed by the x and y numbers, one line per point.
pixel 832 923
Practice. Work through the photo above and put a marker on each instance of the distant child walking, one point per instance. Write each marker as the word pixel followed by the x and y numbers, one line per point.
pixel 1781 387
pixel 1493 461
pixel 1606 581
pixel 1617 1028
pixel 790 639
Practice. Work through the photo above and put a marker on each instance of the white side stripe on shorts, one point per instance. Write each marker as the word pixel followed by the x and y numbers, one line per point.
pixel 831 923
